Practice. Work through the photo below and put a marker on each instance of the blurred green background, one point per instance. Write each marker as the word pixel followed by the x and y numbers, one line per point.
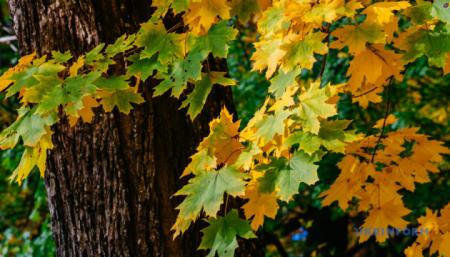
pixel 302 227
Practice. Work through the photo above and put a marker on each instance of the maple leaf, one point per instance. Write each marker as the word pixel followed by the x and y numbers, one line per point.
pixel 348 183
pixel 200 161
pixel 381 218
pixel 86 113
pixel 374 66
pixel 24 62
pixel 62 57
pixel 270 125
pixel 220 235
pixel 259 205
pixel 313 106
pixel 273 20
pixel 122 99
pixel 301 169
pixel 183 70
pixel 76 66
pixel 418 42
pixel 205 191
pixel 215 41
pixel 145 67
pixel 155 40
pixel 223 139
pixel 202 14
pixel 382 12
pixel 357 36
pixel 300 51
pixel 111 83
pixel 268 54
pixel 331 135
pixel 32 157
pixel 414 250
pixel 280 82
pixel 323 11
pixel 197 98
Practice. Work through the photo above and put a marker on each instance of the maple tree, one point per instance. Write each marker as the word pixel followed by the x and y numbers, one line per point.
pixel 264 161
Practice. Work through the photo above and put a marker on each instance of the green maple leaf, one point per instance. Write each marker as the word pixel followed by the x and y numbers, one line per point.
pixel 331 135
pixel 22 79
pixel 155 39
pixel 216 40
pixel 62 57
pixel 32 127
pixel 46 83
pixel 271 124
pixel 76 87
pixel 286 176
pixel 313 106
pixel 182 71
pixel 419 13
pixel 205 191
pixel 281 81
pixel 180 5
pixel 122 99
pixel 122 44
pixel 197 98
pixel 51 100
pixel 220 235
pixel 267 183
pixel 144 68
pixel 112 83
pixel 301 170
pixel 301 53
pixel 95 54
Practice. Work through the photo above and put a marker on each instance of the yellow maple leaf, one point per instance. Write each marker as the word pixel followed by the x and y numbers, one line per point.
pixel 414 250
pixel 76 66
pixel 32 157
pixel 381 218
pixel 259 205
pixel 223 140
pixel 382 12
pixel 268 54
pixel 444 246
pixel 367 93
pixel 86 113
pixel 390 119
pixel 202 14
pixel 375 65
pixel 24 61
pixel 357 36
pixel 347 183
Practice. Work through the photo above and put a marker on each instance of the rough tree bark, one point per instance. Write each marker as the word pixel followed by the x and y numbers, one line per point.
pixel 109 183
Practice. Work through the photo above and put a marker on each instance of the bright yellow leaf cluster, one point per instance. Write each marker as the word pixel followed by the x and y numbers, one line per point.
pixel 374 171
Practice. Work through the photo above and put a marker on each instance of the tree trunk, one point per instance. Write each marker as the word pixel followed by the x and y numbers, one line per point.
pixel 109 183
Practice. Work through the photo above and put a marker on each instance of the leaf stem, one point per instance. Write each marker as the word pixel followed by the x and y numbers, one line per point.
pixel 386 114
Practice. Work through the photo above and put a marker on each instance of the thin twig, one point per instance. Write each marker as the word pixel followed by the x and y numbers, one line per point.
pixel 388 107
pixel 365 93
pixel 7 39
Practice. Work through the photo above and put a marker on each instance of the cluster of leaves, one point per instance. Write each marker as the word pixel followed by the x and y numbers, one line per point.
pixel 24 218
pixel 279 148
